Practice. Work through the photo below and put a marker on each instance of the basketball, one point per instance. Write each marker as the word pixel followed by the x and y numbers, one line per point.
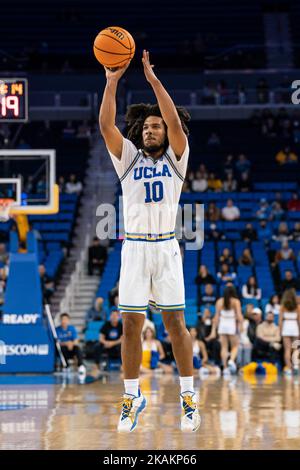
pixel 114 47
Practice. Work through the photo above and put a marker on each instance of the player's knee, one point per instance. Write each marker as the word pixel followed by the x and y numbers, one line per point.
pixel 175 324
pixel 131 326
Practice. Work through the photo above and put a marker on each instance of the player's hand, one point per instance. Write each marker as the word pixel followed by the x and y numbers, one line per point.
pixel 148 68
pixel 116 72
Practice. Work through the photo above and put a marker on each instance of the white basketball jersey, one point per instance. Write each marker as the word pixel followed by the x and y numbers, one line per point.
pixel 151 189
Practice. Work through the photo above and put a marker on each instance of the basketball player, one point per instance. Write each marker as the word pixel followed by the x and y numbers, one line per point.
pixel 151 165
pixel 227 321
pixel 289 324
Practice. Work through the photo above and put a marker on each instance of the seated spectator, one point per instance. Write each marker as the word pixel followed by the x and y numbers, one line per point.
pixel 278 198
pixel 294 203
pixel 264 232
pixel 245 345
pixel 267 342
pixel 289 282
pixel 212 344
pixel 97 257
pixel 73 186
pixel 250 290
pixel 164 337
pixel 208 297
pixel 68 339
pixel 213 213
pixel 200 356
pixel 213 140
pixel 186 187
pixel 97 312
pixel 285 253
pixel 226 257
pixel 242 165
pixel 273 306
pixel 296 232
pixel 153 354
pixel 276 212
pixel 199 184
pixel 249 234
pixel 262 91
pixel 254 314
pixel 48 285
pixel 41 186
pixel 62 184
pixel 246 258
pixel 230 211
pixel 225 275
pixel 282 234
pixel 230 183
pixel 213 233
pixel 244 183
pixel 204 277
pixel 68 131
pixel 228 166
pixel 84 130
pixel 110 339
pixel 286 157
pixel 113 295
pixel 214 183
pixel 263 212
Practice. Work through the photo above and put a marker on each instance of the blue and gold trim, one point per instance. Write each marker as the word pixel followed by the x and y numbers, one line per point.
pixel 174 308
pixel 149 237
pixel 133 308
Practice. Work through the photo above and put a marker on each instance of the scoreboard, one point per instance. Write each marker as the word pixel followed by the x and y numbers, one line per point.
pixel 13 100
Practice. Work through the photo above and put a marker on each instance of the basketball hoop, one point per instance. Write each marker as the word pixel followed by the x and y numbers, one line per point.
pixel 5 206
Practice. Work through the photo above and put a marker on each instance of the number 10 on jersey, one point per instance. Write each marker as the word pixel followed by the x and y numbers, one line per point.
pixel 154 191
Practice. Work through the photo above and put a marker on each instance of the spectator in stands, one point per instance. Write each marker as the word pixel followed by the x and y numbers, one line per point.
pixel 204 328
pixel 48 285
pixel 245 345
pixel 228 166
pixel 199 184
pixel 62 184
pixel 267 342
pixel 285 253
pixel 226 257
pixel 251 290
pixel 294 203
pixel 262 91
pixel 110 339
pixel 41 186
pixel 282 234
pixel 277 212
pixel 225 275
pixel 263 212
pixel 214 183
pixel 230 211
pixel 264 232
pixel 289 282
pixel 97 257
pixel 84 130
pixel 246 259
pixel 213 233
pixel 286 157
pixel 209 297
pixel 273 306
pixel 164 338
pixel 296 232
pixel 204 277
pixel 213 213
pixel 29 185
pixel 289 325
pixel 97 312
pixel 249 234
pixel 230 183
pixel 278 198
pixel 113 294
pixel 202 168
pixel 242 165
pixel 152 353
pixel 254 314
pixel 68 131
pixel 68 338
pixel 244 182
pixel 213 140
pixel 185 187
pixel 73 186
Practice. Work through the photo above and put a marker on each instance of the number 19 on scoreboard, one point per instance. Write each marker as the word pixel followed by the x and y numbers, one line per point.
pixel 13 100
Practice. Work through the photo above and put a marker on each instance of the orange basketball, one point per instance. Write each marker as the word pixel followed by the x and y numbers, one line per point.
pixel 114 47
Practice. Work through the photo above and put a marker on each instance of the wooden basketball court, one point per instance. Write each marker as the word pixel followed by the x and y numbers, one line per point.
pixel 46 412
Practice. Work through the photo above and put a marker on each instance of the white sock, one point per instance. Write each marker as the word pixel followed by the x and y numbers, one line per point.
pixel 132 386
pixel 186 384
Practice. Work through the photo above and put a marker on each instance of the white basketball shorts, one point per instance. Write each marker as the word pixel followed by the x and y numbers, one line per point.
pixel 151 271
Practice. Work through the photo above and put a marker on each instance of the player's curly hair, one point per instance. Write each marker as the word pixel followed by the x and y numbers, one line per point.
pixel 136 115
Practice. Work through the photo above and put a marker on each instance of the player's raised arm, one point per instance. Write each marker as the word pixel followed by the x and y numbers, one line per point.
pixel 176 135
pixel 107 114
